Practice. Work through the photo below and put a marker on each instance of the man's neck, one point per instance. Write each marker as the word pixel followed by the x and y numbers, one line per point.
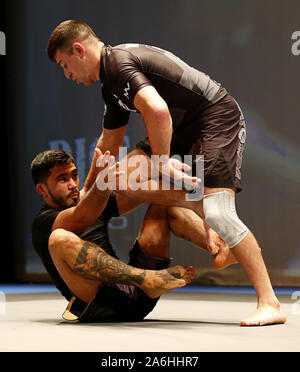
pixel 96 70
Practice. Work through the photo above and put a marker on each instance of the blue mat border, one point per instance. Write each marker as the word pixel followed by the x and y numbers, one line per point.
pixel 19 288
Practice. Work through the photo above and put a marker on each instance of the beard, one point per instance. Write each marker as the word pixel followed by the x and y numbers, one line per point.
pixel 65 202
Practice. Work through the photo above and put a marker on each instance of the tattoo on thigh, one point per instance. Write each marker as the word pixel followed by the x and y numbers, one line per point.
pixel 94 263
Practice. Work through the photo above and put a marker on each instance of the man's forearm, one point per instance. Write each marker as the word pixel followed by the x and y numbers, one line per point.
pixel 93 171
pixel 110 140
pixel 91 177
pixel 157 119
pixel 159 128
pixel 76 219
pixel 92 205
pixel 152 192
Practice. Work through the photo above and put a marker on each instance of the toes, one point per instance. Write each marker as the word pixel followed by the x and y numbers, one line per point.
pixel 190 272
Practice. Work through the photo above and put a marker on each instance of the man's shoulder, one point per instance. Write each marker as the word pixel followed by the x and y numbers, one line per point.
pixel 117 55
pixel 129 53
pixel 46 215
pixel 41 227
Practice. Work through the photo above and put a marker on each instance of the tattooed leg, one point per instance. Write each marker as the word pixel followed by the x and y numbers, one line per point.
pixel 94 263
pixel 64 247
pixel 85 267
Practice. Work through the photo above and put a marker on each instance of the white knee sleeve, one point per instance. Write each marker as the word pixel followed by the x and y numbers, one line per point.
pixel 220 215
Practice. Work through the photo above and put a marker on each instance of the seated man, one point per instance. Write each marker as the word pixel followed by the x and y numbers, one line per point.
pixel 70 235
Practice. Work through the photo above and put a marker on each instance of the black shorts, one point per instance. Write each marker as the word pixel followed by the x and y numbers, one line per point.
pixel 118 302
pixel 219 134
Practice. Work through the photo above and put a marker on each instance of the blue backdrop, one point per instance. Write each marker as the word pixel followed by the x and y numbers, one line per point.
pixel 252 47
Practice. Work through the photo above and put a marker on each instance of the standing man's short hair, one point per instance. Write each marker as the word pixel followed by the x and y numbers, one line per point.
pixel 45 161
pixel 64 35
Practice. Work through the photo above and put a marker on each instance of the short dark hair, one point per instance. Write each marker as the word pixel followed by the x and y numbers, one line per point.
pixel 65 34
pixel 45 161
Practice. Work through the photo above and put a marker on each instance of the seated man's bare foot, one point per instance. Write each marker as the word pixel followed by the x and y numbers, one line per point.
pixel 224 257
pixel 265 315
pixel 158 282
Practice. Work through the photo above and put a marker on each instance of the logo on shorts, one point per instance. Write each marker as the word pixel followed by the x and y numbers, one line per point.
pixel 240 150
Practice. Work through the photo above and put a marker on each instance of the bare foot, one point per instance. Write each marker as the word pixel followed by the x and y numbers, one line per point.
pixel 158 282
pixel 224 257
pixel 264 315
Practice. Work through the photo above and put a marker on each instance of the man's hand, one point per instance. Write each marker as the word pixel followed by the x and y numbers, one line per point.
pixel 99 157
pixel 109 172
pixel 175 170
pixel 103 159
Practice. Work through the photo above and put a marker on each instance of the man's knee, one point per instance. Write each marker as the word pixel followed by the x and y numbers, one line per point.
pixel 221 216
pixel 59 241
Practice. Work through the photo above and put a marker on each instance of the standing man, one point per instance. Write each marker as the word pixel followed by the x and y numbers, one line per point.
pixel 185 112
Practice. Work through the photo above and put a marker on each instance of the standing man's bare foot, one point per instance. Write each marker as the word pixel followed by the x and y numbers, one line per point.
pixel 158 282
pixel 265 315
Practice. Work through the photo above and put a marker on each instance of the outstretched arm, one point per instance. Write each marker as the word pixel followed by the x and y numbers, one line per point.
pixel 77 218
pixel 110 140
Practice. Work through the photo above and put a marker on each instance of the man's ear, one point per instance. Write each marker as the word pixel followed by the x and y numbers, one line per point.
pixel 41 189
pixel 78 49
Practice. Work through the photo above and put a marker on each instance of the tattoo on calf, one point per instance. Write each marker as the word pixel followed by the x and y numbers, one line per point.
pixel 94 263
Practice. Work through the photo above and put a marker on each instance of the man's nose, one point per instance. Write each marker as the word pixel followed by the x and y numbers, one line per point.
pixel 72 184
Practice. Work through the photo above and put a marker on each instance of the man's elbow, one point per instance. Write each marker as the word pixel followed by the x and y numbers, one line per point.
pixel 158 115
pixel 163 116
